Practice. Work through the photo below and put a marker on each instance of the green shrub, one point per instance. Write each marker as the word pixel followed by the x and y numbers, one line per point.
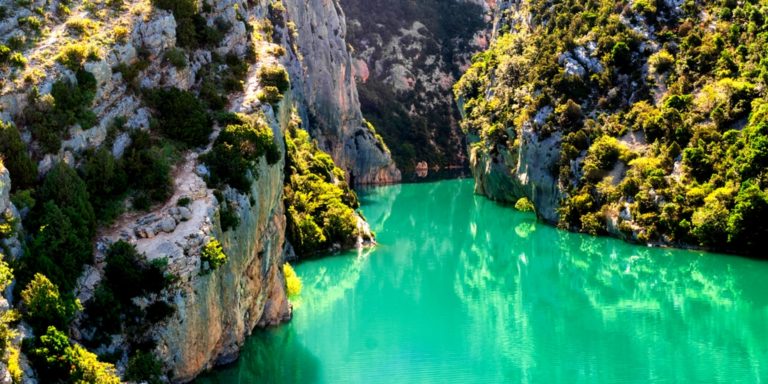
pixel 237 150
pixel 44 305
pixel 148 168
pixel 192 29
pixel 176 57
pixel 74 55
pixel 319 203
pixel 17 60
pixel 292 281
pixel 181 116
pixel 57 361
pixel 524 205
pixel 103 312
pixel 213 254
pixel 32 22
pixel 275 76
pixel 57 250
pixel 144 367
pixel 69 103
pixel 269 95
pixel 5 53
pixel 130 72
pixel 13 152
pixel 747 229
pixel 128 276
pixel 106 182
pixel 64 187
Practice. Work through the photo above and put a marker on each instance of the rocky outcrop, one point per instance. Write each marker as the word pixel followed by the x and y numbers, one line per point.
pixel 323 77
pixel 526 172
pixel 526 169
pixel 9 216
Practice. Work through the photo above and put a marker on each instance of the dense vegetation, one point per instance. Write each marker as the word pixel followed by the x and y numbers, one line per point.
pixel 320 204
pixel 660 114
pixel 233 160
pixel 49 116
pixel 418 124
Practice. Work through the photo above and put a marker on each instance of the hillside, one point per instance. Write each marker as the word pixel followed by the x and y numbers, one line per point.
pixel 645 120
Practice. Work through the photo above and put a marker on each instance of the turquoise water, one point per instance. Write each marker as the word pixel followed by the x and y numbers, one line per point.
pixel 462 290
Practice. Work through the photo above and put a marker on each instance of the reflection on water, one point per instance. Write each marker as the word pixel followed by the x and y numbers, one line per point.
pixel 461 289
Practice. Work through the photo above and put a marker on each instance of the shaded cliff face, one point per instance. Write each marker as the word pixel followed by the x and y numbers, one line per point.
pixel 407 55
pixel 323 77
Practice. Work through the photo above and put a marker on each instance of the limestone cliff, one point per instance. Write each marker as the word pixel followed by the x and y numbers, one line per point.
pixel 324 81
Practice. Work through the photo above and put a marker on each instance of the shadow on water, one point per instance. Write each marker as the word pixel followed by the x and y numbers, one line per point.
pixel 272 356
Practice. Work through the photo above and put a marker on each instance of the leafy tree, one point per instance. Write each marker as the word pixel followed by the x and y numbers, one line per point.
pixel 144 367
pixel 44 306
pixel 747 229
pixel 234 156
pixel 58 361
pixel 147 167
pixel 15 157
pixel 128 276
pixel 64 187
pixel 105 181
pixel 320 205
pixel 57 250
pixel 181 115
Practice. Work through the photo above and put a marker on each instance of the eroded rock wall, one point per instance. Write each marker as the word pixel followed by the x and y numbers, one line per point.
pixel 324 82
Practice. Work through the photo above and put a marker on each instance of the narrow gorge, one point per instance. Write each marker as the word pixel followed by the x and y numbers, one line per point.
pixel 221 191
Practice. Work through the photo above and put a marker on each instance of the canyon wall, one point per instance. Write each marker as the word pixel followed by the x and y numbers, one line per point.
pixel 214 310
pixel 324 78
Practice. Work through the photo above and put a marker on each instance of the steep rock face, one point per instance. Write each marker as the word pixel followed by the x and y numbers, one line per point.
pixel 508 175
pixel 407 57
pixel 218 310
pixel 9 215
pixel 505 173
pixel 323 77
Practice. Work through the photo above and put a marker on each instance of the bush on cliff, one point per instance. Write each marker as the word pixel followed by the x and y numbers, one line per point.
pixel 45 306
pixel 49 116
pixel 180 115
pixel 106 182
pixel 56 360
pixel 233 160
pixel 148 167
pixel 213 254
pixel 14 155
pixel 320 205
pixel 292 281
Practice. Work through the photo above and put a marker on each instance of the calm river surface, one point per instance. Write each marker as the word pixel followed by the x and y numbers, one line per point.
pixel 463 290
